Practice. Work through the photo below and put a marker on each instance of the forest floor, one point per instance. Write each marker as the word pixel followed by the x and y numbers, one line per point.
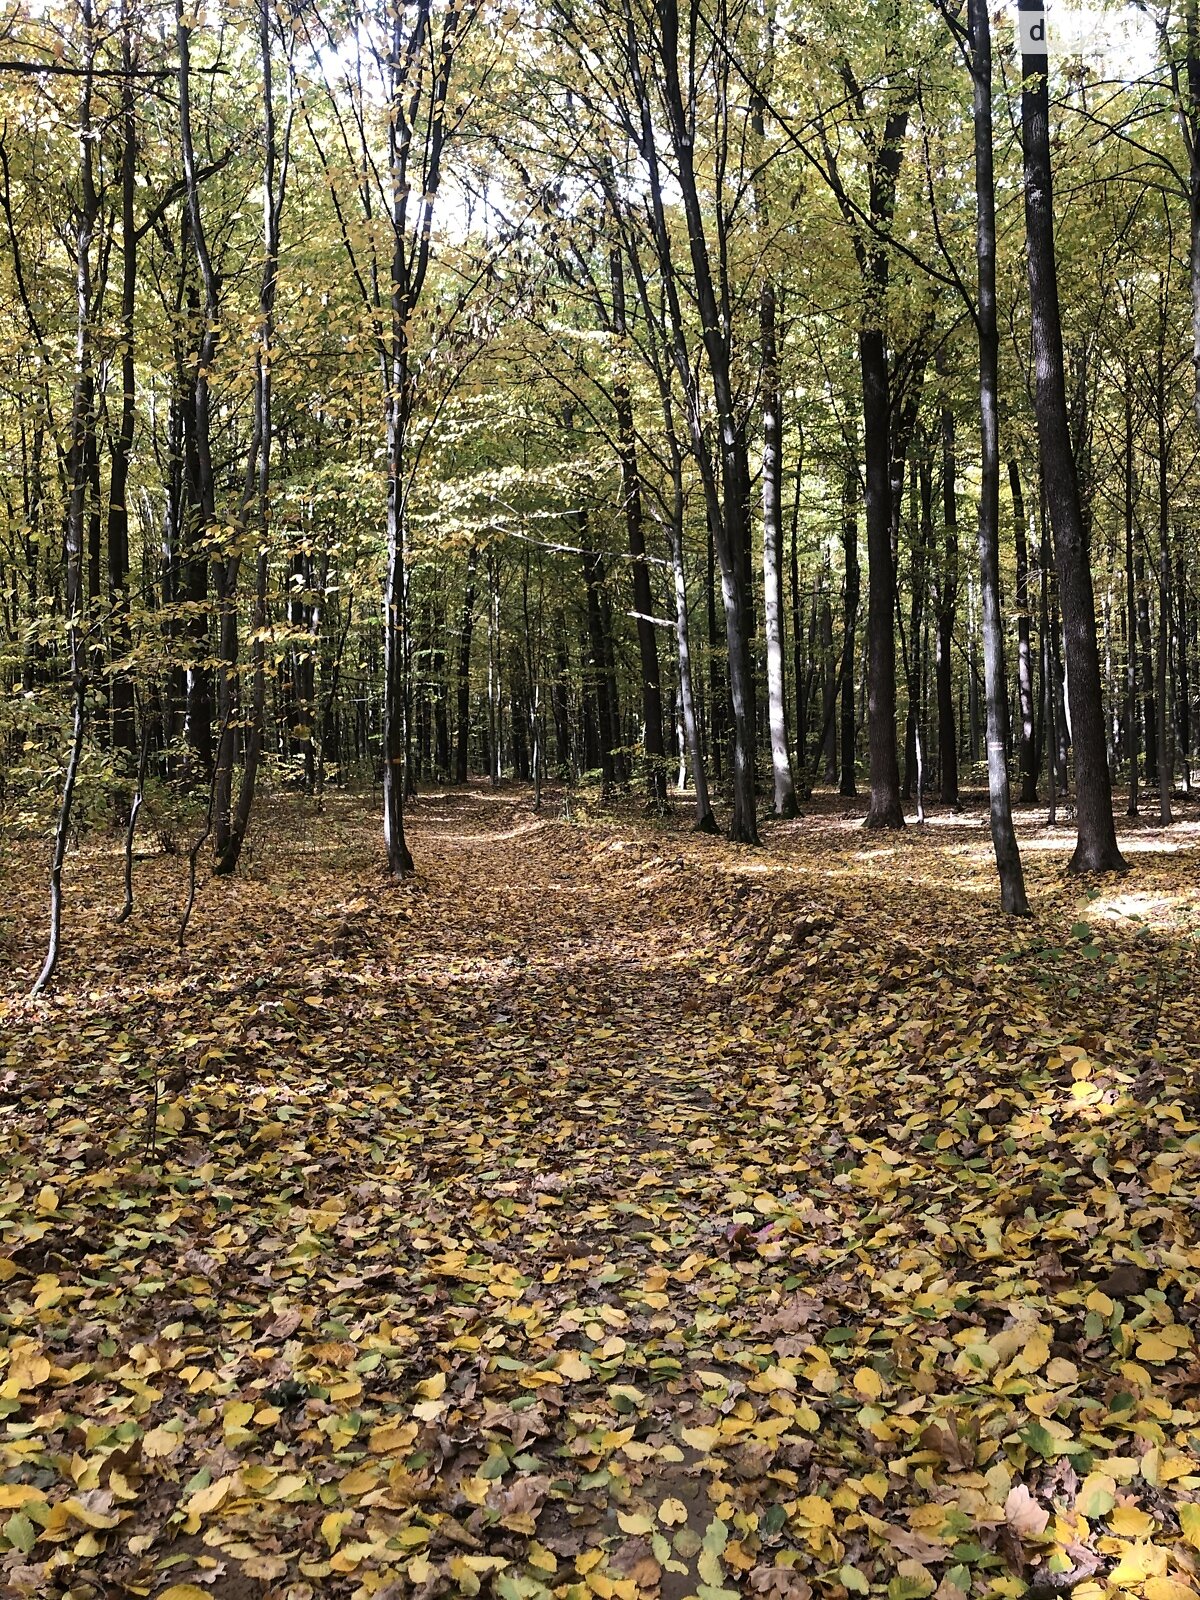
pixel 609 1211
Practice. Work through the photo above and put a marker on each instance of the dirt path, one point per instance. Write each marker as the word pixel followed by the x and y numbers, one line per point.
pixel 609 1212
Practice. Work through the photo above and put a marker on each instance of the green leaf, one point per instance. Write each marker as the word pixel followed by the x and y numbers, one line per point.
pixel 20 1532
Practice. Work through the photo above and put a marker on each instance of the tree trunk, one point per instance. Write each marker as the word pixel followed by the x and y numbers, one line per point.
pixel 885 810
pixel 1004 840
pixel 631 495
pixel 705 822
pixel 1131 612
pixel 1028 752
pixel 606 724
pixel 463 670
pixel 1096 847
pixel 772 507
pixel 850 599
pixel 946 611
pixel 1165 763
pixel 124 732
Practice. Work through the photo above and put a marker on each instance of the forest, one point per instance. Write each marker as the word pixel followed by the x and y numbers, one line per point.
pixel 599 701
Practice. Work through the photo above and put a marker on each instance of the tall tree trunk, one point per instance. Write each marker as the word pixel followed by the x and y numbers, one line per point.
pixel 1183 720
pixel 608 727
pixel 1004 839
pixel 829 692
pixel 850 598
pixel 1149 708
pixel 885 810
pixel 631 495
pixel 1131 613
pixel 258 471
pixel 946 612
pixel 772 508
pixel 1165 763
pixel 78 482
pixel 728 512
pixel 1096 848
pixel 124 732
pixel 561 696
pixel 1026 745
pixel 705 821
pixel 718 681
pixel 463 670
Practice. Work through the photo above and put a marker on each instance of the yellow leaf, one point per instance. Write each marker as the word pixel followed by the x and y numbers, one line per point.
pixel 332 1526
pixel 540 1558
pixel 185 1591
pixel 16 1494
pixel 1167 1589
pixel 160 1442
pixel 817 1513
pixel 1189 1521
pixel 573 1367
pixel 703 1439
pixel 868 1383
pixel 1129 1522
pixel 208 1499
pixel 391 1438
pixel 1153 1347
pixel 1062 1371
pixel 47 1199
pixel 672 1512
pixel 1035 1354
pixel 635 1522
pixel 91 1518
pixel 29 1369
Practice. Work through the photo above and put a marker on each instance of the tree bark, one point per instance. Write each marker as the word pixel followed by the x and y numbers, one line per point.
pixel 772 510
pixel 1096 847
pixel 1004 839
pixel 631 496
pixel 463 670
pixel 946 611
pixel 847 785
pixel 1131 614
pixel 1027 748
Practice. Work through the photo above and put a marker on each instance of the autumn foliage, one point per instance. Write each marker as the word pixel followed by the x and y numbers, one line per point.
pixel 606 1212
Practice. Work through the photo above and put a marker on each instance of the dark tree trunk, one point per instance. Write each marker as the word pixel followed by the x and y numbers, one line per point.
pixel 850 598
pixel 946 612
pixel 1165 763
pixel 462 674
pixel 1183 720
pixel 829 692
pixel 1096 847
pixel 1131 610
pixel 607 724
pixel 885 810
pixel 718 684
pixel 1149 709
pixel 631 495
pixel 1027 749
pixel 124 732
pixel 560 697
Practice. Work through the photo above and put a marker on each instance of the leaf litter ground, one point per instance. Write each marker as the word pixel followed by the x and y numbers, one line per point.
pixel 608 1212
